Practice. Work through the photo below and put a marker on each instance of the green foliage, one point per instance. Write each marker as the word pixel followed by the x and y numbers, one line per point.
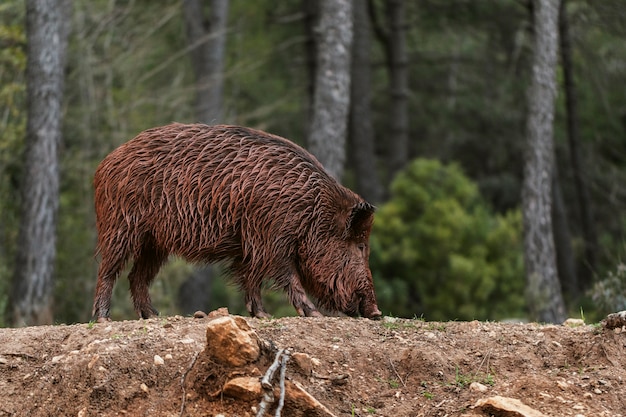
pixel 437 250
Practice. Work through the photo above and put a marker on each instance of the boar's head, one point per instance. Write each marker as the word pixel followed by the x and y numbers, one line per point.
pixel 334 261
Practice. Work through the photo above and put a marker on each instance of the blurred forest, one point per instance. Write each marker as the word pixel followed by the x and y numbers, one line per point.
pixel 442 107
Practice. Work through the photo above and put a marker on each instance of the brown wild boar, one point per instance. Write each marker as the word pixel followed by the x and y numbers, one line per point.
pixel 256 201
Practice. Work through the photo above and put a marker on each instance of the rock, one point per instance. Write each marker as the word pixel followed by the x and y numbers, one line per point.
pixel 477 386
pixel 615 320
pixel 574 322
pixel 230 341
pixel 220 312
pixel 303 402
pixel 506 407
pixel 199 314
pixel 304 362
pixel 246 388
pixel 158 360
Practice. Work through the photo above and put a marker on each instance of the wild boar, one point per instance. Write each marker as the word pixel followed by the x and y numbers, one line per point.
pixel 258 202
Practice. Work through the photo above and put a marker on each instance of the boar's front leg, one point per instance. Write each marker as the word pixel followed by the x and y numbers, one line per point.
pixel 254 304
pixel 298 298
pixel 250 284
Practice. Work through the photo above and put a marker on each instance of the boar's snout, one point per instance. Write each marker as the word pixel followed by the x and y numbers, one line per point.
pixel 368 307
pixel 370 311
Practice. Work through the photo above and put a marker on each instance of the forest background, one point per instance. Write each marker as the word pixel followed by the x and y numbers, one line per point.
pixel 449 78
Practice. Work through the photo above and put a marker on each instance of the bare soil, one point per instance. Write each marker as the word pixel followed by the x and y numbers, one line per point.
pixel 393 367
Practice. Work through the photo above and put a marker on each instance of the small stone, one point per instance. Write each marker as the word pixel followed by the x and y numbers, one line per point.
pixel 562 384
pixel 477 386
pixel 296 394
pixel 82 412
pixel 93 361
pixel 574 322
pixel 507 406
pixel 143 387
pixel 597 391
pixel 220 312
pixel 169 357
pixel 199 315
pixel 244 388
pixel 158 360
pixel 304 362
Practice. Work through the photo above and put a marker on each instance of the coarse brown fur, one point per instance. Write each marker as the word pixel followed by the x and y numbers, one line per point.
pixel 226 193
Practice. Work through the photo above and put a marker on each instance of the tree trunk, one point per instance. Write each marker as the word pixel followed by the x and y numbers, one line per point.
pixel 331 100
pixel 47 30
pixel 361 131
pixel 207 40
pixel 311 16
pixel 573 135
pixel 566 265
pixel 543 291
pixel 398 87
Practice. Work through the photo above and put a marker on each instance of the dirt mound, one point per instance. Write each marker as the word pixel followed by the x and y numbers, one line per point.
pixel 393 367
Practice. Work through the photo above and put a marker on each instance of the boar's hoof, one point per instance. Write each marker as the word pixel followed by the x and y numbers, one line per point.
pixel 148 312
pixel 261 315
pixel 103 319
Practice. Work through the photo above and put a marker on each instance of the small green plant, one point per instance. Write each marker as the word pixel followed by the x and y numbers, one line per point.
pixel 437 326
pixel 370 409
pixel 91 324
pixel 461 379
pixel 428 395
pixel 489 380
pixel 392 382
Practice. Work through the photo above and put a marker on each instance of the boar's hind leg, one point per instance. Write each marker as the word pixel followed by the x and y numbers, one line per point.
pixel 146 264
pixel 108 271
pixel 299 300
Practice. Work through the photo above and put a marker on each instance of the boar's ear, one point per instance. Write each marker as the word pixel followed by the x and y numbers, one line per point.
pixel 360 221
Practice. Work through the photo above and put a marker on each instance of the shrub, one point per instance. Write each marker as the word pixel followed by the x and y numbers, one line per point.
pixel 439 251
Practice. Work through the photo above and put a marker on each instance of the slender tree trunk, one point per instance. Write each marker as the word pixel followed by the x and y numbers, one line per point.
pixel 311 16
pixel 47 30
pixel 327 133
pixel 207 38
pixel 398 87
pixel 544 297
pixel 562 239
pixel 573 135
pixel 361 131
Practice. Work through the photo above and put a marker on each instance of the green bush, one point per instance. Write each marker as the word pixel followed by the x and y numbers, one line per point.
pixel 439 252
